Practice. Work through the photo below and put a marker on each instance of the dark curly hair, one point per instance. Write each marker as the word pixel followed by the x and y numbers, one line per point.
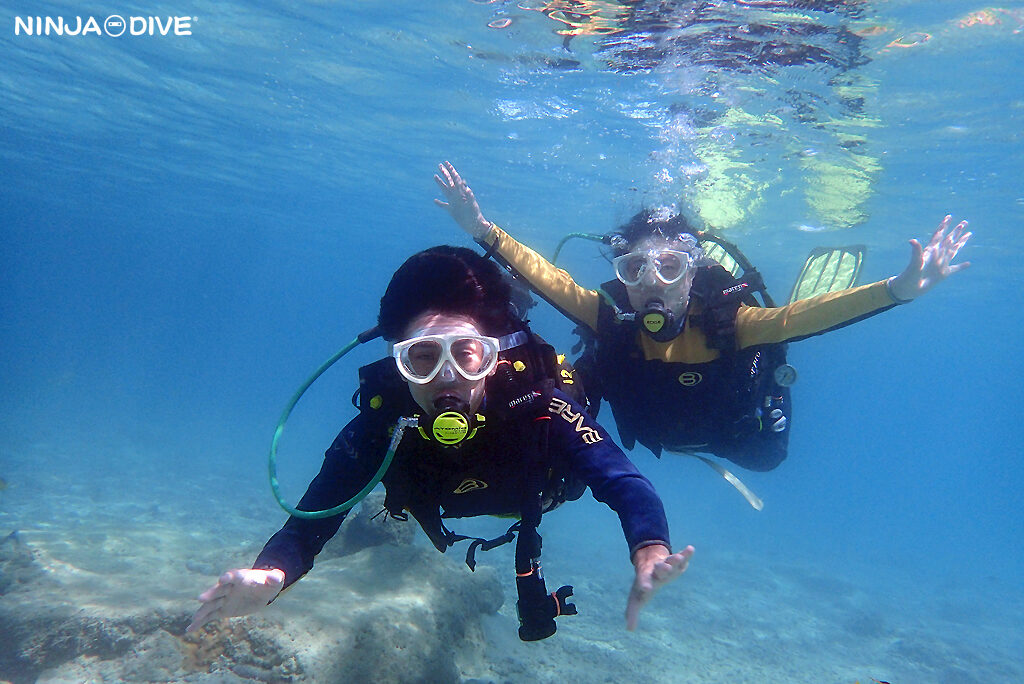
pixel 450 280
pixel 648 224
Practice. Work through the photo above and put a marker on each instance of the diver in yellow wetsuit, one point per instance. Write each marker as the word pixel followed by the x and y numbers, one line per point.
pixel 684 362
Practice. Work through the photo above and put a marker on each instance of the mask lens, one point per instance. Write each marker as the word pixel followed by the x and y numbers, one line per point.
pixel 671 266
pixel 422 358
pixel 630 268
pixel 470 354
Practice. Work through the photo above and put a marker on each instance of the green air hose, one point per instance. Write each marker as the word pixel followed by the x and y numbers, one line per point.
pixel 396 438
pixel 585 236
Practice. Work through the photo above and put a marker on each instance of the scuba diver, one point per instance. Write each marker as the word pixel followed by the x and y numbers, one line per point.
pixel 684 355
pixel 492 433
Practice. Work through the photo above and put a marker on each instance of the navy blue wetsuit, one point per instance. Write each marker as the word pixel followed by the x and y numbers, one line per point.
pixel 482 477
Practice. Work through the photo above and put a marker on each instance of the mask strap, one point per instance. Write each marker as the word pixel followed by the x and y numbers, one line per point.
pixel 513 340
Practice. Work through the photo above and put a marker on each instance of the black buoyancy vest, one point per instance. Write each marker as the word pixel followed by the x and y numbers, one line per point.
pixel 671 405
pixel 519 391
pixel 516 435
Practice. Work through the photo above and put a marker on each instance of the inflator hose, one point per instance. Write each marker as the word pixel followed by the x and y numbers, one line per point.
pixel 396 437
pixel 570 236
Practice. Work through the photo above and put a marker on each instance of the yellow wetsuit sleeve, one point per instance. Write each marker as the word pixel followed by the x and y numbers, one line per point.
pixel 550 282
pixel 755 325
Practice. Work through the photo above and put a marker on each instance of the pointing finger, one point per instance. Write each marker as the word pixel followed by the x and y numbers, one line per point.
pixel 207 613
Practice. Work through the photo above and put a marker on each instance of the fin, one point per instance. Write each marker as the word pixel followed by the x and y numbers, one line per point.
pixel 828 269
pixel 715 251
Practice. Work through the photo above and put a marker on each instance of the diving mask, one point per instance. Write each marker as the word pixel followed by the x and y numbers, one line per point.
pixel 421 358
pixel 669 265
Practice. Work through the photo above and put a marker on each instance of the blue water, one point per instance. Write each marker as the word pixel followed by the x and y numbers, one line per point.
pixel 192 224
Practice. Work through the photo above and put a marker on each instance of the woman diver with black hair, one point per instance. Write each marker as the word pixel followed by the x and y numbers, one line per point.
pixel 493 435
pixel 686 363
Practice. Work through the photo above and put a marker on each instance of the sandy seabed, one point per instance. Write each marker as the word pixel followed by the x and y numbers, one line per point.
pixel 99 573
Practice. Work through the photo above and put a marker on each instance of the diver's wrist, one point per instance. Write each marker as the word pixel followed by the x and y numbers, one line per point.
pixel 890 289
pixel 482 229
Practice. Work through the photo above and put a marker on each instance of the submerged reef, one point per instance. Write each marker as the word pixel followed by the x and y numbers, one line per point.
pixel 376 608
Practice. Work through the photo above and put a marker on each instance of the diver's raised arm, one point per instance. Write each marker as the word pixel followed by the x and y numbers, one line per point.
pixel 556 286
pixel 930 265
pixel 461 203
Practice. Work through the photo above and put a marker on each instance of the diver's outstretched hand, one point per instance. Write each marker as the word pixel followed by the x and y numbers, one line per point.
pixel 655 567
pixel 461 202
pixel 237 592
pixel 930 265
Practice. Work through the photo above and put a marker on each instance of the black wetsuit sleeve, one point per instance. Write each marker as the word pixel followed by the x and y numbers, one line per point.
pixel 599 463
pixel 348 465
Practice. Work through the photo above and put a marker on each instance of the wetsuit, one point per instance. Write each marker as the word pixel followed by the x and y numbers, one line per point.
pixel 484 476
pixel 682 395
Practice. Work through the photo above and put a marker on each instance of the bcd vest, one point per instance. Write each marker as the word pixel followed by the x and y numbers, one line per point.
pixel 681 406
pixel 508 443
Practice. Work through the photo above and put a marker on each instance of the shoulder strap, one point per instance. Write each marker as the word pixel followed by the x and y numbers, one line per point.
pixel 614 293
pixel 614 300
pixel 382 390
pixel 720 295
pixel 531 368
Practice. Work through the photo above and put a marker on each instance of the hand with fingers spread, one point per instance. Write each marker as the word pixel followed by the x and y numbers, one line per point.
pixel 461 202
pixel 655 567
pixel 930 265
pixel 237 592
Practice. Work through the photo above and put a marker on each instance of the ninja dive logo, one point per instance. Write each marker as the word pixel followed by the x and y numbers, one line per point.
pixel 114 26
